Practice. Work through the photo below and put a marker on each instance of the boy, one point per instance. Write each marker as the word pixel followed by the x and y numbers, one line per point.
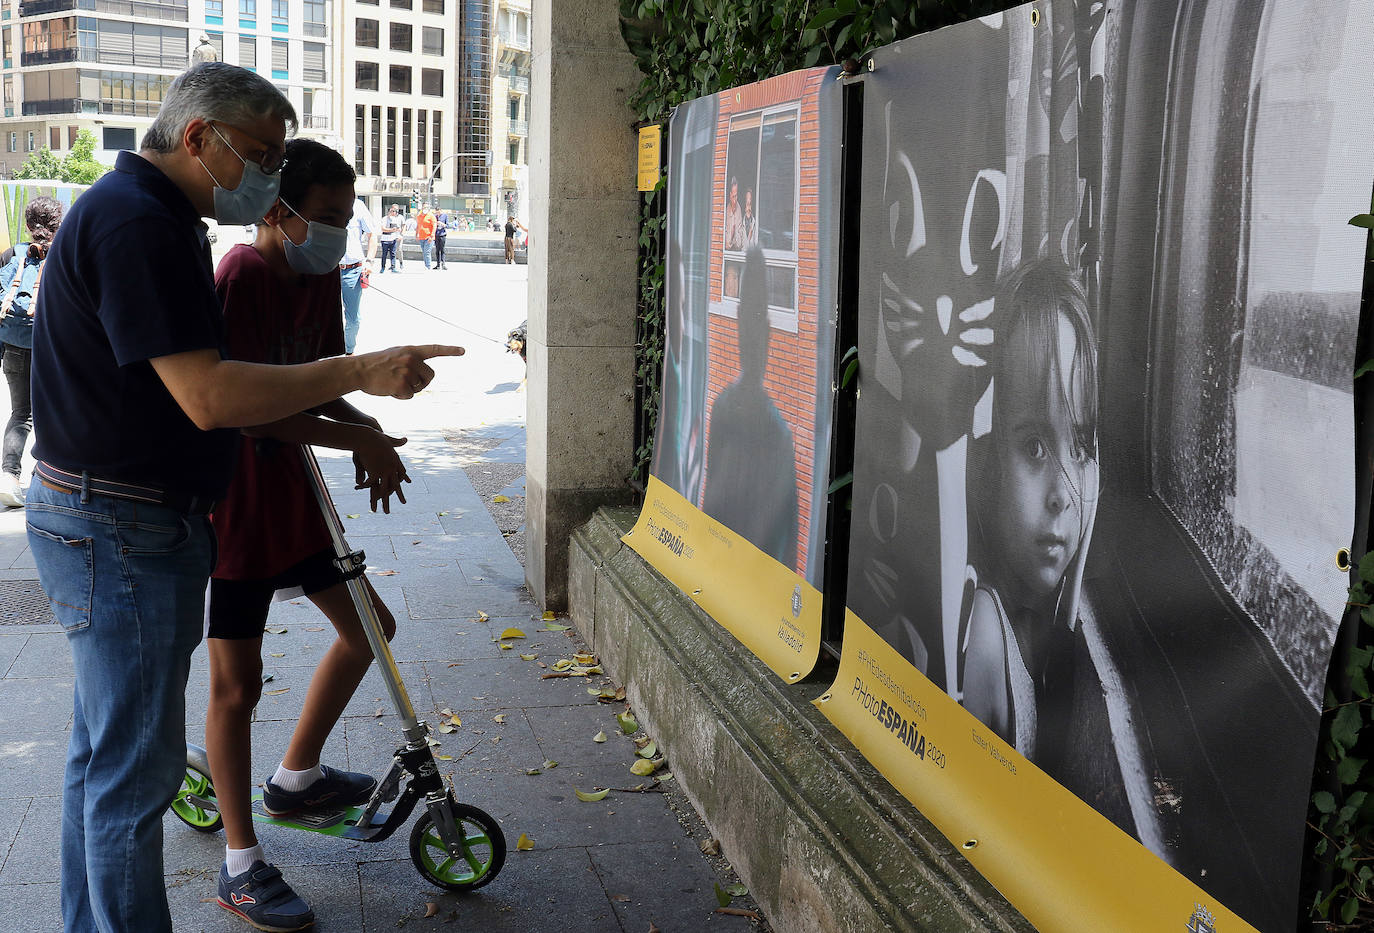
pixel 282 305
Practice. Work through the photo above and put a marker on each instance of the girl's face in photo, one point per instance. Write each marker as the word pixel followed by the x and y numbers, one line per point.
pixel 1047 465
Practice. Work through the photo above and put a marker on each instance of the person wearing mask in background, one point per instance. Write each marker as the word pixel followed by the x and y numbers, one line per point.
pixel 281 305
pixel 424 232
pixel 136 414
pixel 19 280
pixel 440 239
pixel 391 236
pixel 359 252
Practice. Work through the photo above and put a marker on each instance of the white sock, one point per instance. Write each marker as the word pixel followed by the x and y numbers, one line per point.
pixel 290 780
pixel 238 861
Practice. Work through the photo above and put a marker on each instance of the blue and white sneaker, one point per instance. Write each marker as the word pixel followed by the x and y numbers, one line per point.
pixel 263 898
pixel 335 789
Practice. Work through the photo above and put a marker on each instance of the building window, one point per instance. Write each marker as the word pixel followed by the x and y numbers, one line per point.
pixel 405 143
pixel 432 6
pixel 515 108
pixel 360 139
pixel 279 16
pixel 437 136
pixel 279 59
pixel 312 62
pixel 376 138
pixel 391 141
pixel 432 82
pixel 14 142
pixel 32 143
pixel 400 37
pixel 313 17
pixel 248 52
pixel 117 137
pixel 214 7
pixel 400 79
pixel 400 4
pixel 421 137
pixel 71 136
pixel 432 40
pixel 248 14
pixel 514 152
pixel 217 43
pixel 366 33
pixel 54 137
pixel 366 79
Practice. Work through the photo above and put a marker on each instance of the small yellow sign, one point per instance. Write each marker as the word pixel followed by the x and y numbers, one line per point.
pixel 650 138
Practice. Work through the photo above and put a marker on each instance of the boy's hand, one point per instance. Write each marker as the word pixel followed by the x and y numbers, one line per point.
pixel 400 371
pixel 378 469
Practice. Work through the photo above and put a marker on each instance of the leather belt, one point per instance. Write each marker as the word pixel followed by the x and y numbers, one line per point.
pixel 351 265
pixel 182 502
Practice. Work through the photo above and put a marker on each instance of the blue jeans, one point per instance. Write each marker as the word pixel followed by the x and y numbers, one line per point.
pixel 388 253
pixel 352 299
pixel 127 582
pixel 426 249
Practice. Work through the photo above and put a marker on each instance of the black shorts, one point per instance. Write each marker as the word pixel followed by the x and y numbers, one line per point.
pixel 238 608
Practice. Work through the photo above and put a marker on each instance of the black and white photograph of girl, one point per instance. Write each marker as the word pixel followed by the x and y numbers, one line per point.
pixel 1105 442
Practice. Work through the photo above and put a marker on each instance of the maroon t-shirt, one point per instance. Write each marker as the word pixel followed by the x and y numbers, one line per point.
pixel 269 520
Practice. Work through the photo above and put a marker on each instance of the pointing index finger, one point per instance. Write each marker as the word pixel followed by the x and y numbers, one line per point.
pixel 430 350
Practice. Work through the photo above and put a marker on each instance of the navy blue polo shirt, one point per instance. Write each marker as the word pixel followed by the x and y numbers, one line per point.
pixel 128 279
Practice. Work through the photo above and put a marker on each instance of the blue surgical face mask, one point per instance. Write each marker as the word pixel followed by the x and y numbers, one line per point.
pixel 323 247
pixel 255 194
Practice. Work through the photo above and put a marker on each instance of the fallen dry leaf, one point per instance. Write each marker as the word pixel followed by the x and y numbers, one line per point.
pixel 275 693
pixel 384 573
pixel 642 768
pixel 628 724
pixel 276 629
pixel 500 499
pixel 431 909
pixel 739 912
pixel 351 515
pixel 592 797
pixel 512 633
pixel 499 717
pixel 622 898
pixel 278 654
pixel 505 646
pixel 314 628
pixel 599 737
pixel 482 616
pixel 528 657
pixel 524 843
pixel 711 847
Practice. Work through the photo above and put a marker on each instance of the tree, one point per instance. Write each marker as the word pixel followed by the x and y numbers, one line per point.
pixel 80 166
pixel 41 165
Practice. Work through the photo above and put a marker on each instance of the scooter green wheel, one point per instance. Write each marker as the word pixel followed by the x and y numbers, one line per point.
pixel 484 850
pixel 196 783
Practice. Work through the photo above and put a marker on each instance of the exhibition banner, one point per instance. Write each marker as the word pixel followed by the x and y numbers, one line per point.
pixel 1104 454
pixel 18 194
pixel 736 502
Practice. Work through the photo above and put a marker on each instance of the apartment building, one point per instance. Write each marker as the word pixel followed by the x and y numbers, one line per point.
pixel 511 90
pixel 105 65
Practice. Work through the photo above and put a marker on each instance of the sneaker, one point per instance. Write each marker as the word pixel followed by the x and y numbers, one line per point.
pixel 11 493
pixel 263 898
pixel 335 789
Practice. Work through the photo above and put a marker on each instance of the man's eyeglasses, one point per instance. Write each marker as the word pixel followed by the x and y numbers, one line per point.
pixel 273 158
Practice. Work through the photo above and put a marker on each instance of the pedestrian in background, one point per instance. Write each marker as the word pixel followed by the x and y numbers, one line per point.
pixel 391 236
pixel 359 252
pixel 19 280
pixel 424 232
pixel 440 238
pixel 407 232
pixel 511 225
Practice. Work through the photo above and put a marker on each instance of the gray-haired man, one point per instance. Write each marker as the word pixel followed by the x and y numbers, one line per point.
pixel 138 408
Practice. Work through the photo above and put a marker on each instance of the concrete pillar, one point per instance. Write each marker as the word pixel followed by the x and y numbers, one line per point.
pixel 583 229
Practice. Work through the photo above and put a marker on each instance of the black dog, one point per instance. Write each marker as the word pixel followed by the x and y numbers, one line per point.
pixel 515 340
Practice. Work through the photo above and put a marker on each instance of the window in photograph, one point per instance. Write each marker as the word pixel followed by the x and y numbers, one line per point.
pixel 432 82
pixel 400 37
pixel 366 33
pixel 400 79
pixel 432 40
pixel 366 76
pixel 760 208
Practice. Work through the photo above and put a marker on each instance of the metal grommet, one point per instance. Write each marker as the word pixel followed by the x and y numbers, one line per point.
pixel 1343 560
pixel 970 844
pixel 696 592
pixel 870 65
pixel 796 675
pixel 825 698
pixel 1035 17
pixel 738 97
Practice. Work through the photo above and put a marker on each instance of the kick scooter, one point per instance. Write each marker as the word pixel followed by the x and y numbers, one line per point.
pixel 455 845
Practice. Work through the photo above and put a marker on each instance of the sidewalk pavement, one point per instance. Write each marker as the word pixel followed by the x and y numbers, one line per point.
pixel 627 864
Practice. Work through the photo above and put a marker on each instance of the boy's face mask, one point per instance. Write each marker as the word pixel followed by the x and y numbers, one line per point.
pixel 324 246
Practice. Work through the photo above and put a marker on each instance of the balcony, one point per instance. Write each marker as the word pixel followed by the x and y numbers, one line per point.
pixel 112 105
pixel 39 7
pixel 519 128
pixel 519 84
pixel 48 57
pixel 35 108
pixel 315 121
pixel 515 40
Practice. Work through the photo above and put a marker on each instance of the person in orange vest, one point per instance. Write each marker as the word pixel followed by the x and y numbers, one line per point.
pixel 424 232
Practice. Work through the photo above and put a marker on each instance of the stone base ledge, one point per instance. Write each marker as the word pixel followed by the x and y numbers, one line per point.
pixel 821 839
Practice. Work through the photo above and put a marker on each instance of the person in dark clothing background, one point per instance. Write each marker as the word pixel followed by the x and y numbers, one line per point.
pixel 751 470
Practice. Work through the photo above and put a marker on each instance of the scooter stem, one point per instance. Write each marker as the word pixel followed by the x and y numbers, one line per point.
pixel 351 563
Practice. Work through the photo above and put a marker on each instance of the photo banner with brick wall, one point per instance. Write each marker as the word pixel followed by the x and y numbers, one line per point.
pixel 1105 444
pixel 735 510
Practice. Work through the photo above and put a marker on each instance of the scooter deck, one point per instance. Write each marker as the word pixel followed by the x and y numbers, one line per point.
pixel 340 822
